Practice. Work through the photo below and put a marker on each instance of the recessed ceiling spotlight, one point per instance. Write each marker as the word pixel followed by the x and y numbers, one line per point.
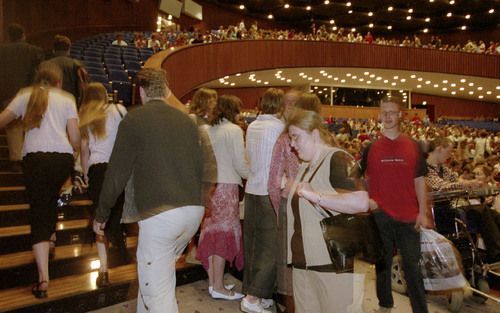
pixel 420 79
pixel 419 86
pixel 389 27
pixel 436 85
pixel 372 75
pixel 232 84
pixel 287 6
pixel 348 4
pixel 335 78
pixel 410 11
pixel 353 29
pixel 427 19
pixel 289 80
pixel 316 80
pixel 396 77
pixel 370 25
pixel 348 74
pixel 242 7
pixel 427 82
pixel 491 11
pixel 444 89
pixel 480 96
pixel 330 76
pixel 309 78
pixel 368 82
pixel 334 28
pixel 453 85
pixel 453 92
pixel 390 8
pixel 461 88
pixel 463 80
pixel 259 81
pixel 238 74
pixel 445 81
pixel 385 81
pixel 327 2
pixel 366 73
pixel 361 79
pixel 370 13
pixel 497 87
pixel 354 77
pixel 471 92
pixel 226 83
pixel 452 2
pixel 266 83
pixel 479 88
pixel 270 16
pixel 394 84
pixel 467 16
pixel 378 78
pixel 226 77
pixel 308 8
pixel 488 92
pixel 463 27
pixel 413 76
pixel 408 17
pixel 301 74
pixel 449 14
pixel 332 21
pixel 424 102
pixel 342 80
pixel 403 80
pixel 471 84
pixel 426 30
pixel 350 11
pixel 431 0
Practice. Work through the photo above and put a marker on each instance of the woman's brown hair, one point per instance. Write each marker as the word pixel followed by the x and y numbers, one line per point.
pixel 47 76
pixel 204 99
pixel 93 111
pixel 228 106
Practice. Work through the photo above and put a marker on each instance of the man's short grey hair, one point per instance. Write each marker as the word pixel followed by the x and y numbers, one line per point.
pixel 153 81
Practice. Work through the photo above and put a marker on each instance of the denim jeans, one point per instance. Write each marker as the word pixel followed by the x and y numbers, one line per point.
pixel 406 239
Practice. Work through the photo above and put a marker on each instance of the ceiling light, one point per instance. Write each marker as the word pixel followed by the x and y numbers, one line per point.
pixel 378 78
pixel 471 92
pixel 316 80
pixel 396 77
pixel 461 88
pixel 322 71
pixel 491 11
pixel 385 81
pixel 334 28
pixel 408 17
pixel 389 27
pixel 431 0
pixel 238 74
pixel 309 78
pixel 424 102
pixel 288 80
pixel 444 89
pixel 370 13
pixel 270 16
pixel 471 84
pixel 463 27
pixel 308 8
pixel 327 2
pixel 463 80
pixel 420 79
pixel 350 11
pixel 348 74
pixel 232 84
pixel 259 81
pixel 427 19
pixel 342 80
pixel 453 92
pixel 419 86
pixel 479 88
pixel 448 14
pixel 330 76
pixel 368 82
pixel 361 79
pixel 242 7
pixel 370 25
pixel 445 81
pixel 372 75
pixel 354 77
pixel 410 10
pixel 266 83
pixel 453 85
pixel 390 8
pixel 301 74
pixel 480 96
pixel 403 80
pixel 287 5
pixel 427 82
pixel 394 84
pixel 425 30
pixel 467 16
pixel 226 83
pixel 332 21
pixel 348 4
pixel 353 29
pixel 452 2
pixel 366 73
pixel 488 92
pixel 226 77
pixel 413 76
pixel 436 85
pixel 497 87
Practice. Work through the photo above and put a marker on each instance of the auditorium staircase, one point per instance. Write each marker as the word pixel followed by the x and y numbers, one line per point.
pixel 73 268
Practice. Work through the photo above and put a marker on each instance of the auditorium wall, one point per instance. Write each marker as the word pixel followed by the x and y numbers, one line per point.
pixel 43 19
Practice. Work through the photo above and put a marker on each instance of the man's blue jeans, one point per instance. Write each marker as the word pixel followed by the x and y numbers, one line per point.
pixel 406 239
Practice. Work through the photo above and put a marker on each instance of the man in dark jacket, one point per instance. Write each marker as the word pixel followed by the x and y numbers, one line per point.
pixel 18 61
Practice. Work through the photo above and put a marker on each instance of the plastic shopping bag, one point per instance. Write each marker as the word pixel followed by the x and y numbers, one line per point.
pixel 440 264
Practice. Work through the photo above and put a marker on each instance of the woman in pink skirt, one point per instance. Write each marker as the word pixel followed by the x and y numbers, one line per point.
pixel 220 238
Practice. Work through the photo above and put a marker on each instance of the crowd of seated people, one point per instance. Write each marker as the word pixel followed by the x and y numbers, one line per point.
pixel 175 38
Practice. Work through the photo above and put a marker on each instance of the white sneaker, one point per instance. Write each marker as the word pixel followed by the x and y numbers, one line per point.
pixel 266 303
pixel 248 307
pixel 228 287
pixel 232 295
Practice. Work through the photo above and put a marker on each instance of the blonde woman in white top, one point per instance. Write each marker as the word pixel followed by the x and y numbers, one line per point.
pixel 99 121
pixel 51 140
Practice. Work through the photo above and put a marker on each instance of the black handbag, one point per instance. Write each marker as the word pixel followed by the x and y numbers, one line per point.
pixel 349 235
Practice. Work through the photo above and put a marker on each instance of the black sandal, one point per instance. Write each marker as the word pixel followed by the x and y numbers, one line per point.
pixel 39 293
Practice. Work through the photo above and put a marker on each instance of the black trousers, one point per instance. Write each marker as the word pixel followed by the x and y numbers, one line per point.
pixel 113 230
pixel 44 175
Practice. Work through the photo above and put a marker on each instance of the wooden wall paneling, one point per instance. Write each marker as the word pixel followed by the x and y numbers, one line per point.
pixel 45 18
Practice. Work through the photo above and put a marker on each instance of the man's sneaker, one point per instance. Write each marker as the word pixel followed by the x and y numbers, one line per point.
pixel 266 303
pixel 248 307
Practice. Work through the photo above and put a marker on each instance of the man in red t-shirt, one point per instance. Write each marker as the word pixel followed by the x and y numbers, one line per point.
pixel 394 169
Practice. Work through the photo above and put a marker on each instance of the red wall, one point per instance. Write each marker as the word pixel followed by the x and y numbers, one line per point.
pixel 444 106
pixel 43 19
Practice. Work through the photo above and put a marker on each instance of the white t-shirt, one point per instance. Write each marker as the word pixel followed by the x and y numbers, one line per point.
pixel 100 149
pixel 261 138
pixel 51 136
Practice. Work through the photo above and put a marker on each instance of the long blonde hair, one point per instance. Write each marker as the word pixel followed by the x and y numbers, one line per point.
pixel 93 111
pixel 47 76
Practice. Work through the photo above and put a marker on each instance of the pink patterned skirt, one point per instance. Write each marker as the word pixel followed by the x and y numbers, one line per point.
pixel 221 230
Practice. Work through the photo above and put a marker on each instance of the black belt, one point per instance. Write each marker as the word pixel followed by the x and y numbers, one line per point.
pixel 327 268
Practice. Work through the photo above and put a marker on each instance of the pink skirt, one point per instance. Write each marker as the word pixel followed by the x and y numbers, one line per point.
pixel 221 229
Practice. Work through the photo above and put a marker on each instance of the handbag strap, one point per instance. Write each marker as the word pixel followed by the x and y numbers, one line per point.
pixel 318 208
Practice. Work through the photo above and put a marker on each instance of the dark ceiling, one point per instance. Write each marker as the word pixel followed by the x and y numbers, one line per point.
pixel 322 12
